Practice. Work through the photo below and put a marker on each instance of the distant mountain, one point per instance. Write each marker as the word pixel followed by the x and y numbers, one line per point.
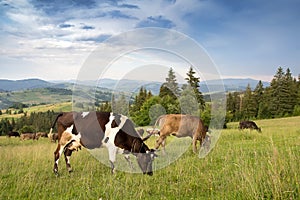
pixel 231 84
pixel 124 85
pixel 16 85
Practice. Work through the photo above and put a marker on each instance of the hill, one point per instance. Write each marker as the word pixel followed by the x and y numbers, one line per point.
pixel 15 85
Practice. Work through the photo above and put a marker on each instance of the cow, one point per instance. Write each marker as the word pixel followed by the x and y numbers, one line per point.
pixel 180 125
pixel 96 129
pixel 13 134
pixel 249 125
pixel 29 136
pixel 42 134
pixel 53 137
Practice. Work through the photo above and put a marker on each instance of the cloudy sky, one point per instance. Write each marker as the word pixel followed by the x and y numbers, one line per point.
pixel 52 40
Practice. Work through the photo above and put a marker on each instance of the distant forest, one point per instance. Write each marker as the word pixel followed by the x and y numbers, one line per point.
pixel 280 99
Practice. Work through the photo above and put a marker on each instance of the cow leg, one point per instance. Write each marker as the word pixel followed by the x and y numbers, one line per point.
pixel 160 141
pixel 57 154
pixel 112 151
pixel 195 138
pixel 68 154
pixel 129 161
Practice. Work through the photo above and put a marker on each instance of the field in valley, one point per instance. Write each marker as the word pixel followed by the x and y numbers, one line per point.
pixel 243 165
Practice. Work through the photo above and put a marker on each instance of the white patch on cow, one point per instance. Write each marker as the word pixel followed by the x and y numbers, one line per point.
pixel 123 120
pixel 69 129
pixel 84 114
pixel 76 137
pixel 110 135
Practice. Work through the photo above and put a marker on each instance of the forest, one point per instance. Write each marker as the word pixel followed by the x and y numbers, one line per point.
pixel 280 99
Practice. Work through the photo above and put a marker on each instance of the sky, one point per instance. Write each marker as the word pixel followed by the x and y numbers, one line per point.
pixel 54 40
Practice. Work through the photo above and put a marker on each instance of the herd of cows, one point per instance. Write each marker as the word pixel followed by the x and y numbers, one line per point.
pixel 117 133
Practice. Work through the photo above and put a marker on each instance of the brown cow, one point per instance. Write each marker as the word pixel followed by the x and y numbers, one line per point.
pixel 180 126
pixel 29 136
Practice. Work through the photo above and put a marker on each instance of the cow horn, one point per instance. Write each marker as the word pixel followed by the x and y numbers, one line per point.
pixel 147 137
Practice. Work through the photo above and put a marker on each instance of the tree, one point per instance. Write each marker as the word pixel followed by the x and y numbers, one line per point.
pixel 105 107
pixel 142 118
pixel 188 102
pixel 248 105
pixel 121 105
pixel 282 93
pixel 194 82
pixel 258 96
pixel 170 87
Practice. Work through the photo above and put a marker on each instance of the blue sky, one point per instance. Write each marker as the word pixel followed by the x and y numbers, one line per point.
pixel 51 40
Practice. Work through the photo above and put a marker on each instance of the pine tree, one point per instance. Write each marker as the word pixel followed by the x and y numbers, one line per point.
pixel 248 106
pixel 194 82
pixel 258 96
pixel 283 94
pixel 276 93
pixel 170 87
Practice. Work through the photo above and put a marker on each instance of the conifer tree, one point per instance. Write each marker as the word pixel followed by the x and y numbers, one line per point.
pixel 248 105
pixel 258 96
pixel 194 82
pixel 170 87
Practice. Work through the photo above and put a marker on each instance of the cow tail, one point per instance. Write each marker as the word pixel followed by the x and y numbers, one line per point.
pixel 53 125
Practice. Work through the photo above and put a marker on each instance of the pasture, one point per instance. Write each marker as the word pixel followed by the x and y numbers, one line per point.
pixel 243 165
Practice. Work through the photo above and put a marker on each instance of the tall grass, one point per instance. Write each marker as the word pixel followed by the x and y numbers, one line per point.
pixel 243 165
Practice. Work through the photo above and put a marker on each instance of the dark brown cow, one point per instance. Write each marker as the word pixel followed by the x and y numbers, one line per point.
pixel 180 126
pixel 13 134
pixel 249 125
pixel 94 129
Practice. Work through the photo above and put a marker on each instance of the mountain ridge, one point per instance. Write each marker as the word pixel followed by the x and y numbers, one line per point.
pixel 127 85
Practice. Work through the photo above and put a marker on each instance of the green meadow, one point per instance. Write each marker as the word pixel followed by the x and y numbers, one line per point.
pixel 242 165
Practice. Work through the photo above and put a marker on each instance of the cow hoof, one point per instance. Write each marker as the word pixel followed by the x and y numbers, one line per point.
pixel 56 172
pixel 70 171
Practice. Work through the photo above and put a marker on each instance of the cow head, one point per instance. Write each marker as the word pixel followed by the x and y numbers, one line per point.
pixel 145 161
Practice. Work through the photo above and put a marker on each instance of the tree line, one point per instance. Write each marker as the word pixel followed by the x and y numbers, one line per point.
pixel 35 122
pixel 280 99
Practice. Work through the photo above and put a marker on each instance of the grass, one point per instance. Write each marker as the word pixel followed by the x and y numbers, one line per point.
pixel 57 107
pixel 243 165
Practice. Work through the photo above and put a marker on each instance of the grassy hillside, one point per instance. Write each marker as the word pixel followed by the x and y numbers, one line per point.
pixel 57 107
pixel 35 96
pixel 243 165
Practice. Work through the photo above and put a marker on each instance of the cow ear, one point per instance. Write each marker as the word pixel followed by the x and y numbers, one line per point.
pixel 147 137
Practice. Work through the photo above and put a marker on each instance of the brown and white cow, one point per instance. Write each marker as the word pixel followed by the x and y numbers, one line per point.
pixel 249 125
pixel 180 125
pixel 95 129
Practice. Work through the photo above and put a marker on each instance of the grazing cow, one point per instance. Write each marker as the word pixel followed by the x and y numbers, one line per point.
pixel 29 136
pixel 249 125
pixel 95 129
pixel 53 137
pixel 13 133
pixel 180 126
pixel 42 134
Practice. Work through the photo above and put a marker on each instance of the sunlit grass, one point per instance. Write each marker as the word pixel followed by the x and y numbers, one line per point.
pixel 243 165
